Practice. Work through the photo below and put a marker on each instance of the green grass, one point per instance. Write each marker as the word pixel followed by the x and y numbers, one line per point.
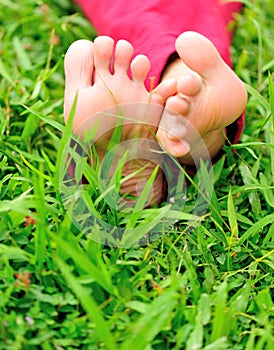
pixel 206 288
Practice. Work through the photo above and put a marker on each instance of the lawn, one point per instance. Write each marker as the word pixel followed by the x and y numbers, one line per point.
pixel 196 276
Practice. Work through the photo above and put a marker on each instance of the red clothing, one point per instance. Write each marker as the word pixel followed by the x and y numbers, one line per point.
pixel 152 27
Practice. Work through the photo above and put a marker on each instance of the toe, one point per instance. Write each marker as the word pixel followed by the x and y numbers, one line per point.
pixel 189 85
pixel 177 104
pixel 103 50
pixel 189 46
pixel 172 134
pixel 164 90
pixel 172 120
pixel 123 54
pixel 218 79
pixel 140 67
pixel 172 131
pixel 78 66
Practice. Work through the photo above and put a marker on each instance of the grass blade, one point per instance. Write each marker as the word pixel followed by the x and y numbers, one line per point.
pixel 80 258
pixel 144 330
pixel 89 305
pixel 260 224
pixel 232 218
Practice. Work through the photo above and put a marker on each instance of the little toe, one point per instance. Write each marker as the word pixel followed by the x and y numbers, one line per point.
pixel 78 66
pixel 172 134
pixel 140 67
pixel 123 54
pixel 103 51
pixel 172 130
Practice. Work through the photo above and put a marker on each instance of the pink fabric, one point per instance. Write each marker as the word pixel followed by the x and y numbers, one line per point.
pixel 152 26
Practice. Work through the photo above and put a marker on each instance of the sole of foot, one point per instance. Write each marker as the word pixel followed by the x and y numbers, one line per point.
pixel 210 96
pixel 98 74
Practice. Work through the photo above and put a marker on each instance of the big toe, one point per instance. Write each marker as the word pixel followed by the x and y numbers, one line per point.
pixel 227 91
pixel 190 45
pixel 78 66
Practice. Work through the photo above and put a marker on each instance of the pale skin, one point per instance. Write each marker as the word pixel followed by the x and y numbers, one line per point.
pixel 209 95
pixel 200 89
pixel 87 71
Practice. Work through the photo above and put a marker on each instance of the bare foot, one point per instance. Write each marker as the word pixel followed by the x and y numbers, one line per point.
pixel 210 96
pixel 98 73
